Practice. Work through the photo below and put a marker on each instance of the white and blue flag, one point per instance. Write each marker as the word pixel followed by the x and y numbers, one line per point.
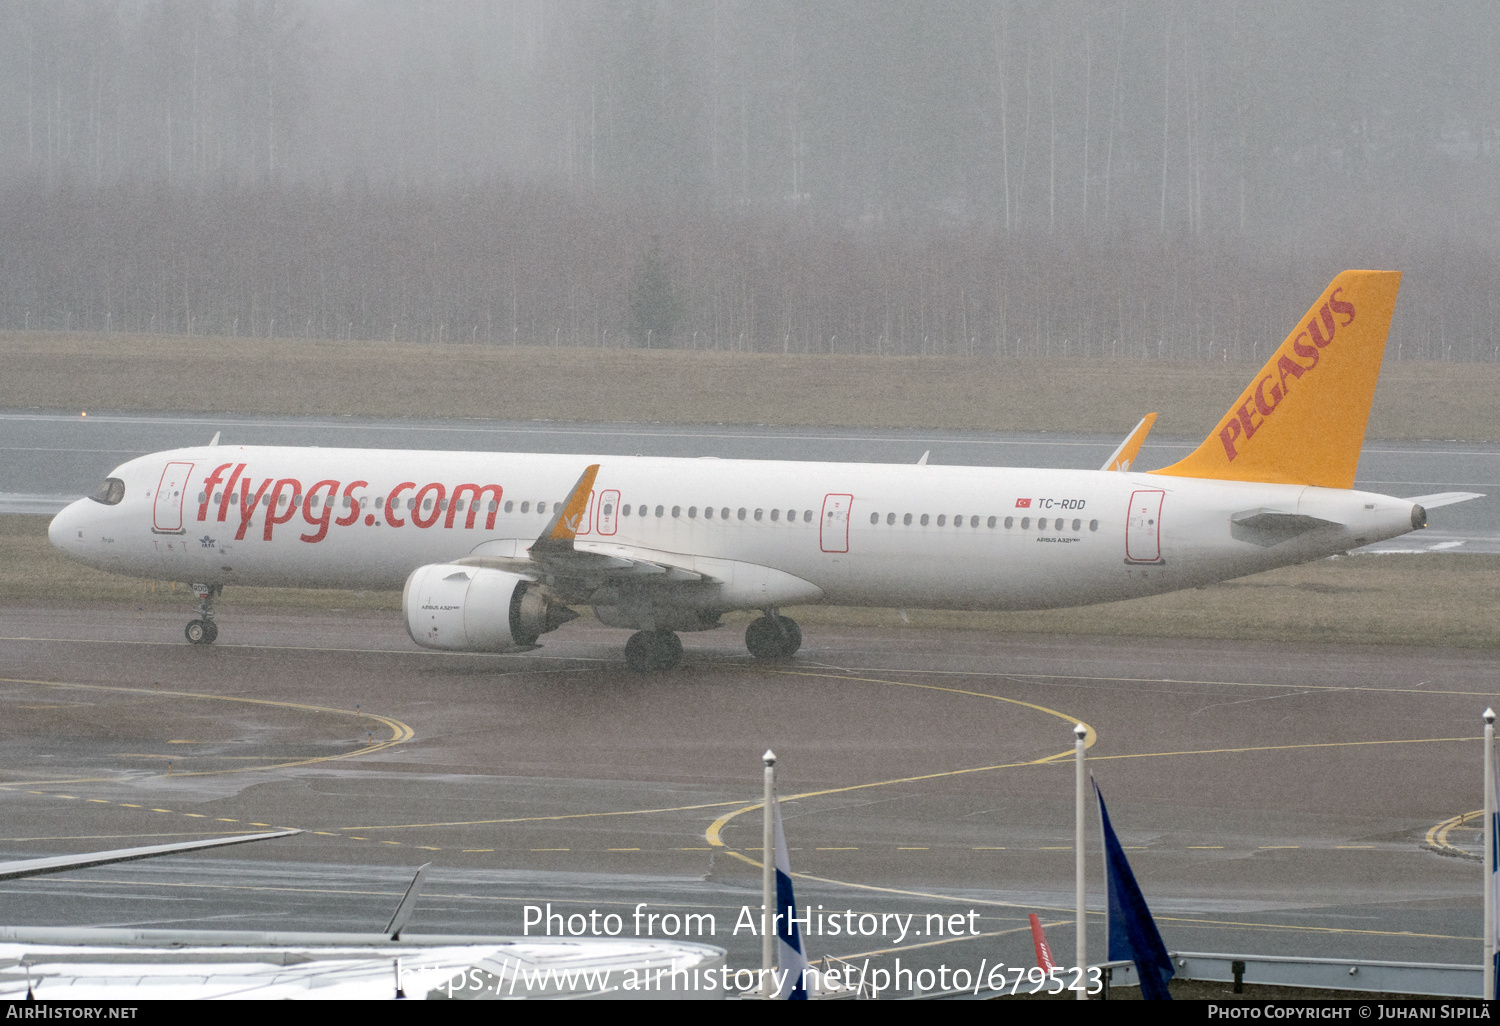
pixel 790 958
pixel 1494 898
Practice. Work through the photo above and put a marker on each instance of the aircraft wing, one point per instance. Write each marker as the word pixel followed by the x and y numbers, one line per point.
pixel 555 553
pixel 1129 449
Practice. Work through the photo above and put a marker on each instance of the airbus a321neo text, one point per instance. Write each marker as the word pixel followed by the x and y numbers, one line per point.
pixel 492 549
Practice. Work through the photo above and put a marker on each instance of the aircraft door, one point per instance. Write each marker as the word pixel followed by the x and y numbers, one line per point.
pixel 1143 529
pixel 833 534
pixel 609 509
pixel 167 515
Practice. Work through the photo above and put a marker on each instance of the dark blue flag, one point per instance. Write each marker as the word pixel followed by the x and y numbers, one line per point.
pixel 1132 932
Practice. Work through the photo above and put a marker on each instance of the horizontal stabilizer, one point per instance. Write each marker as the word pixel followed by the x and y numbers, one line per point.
pixel 1444 499
pixel 1276 520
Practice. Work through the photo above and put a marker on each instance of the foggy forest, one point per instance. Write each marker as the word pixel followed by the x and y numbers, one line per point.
pixel 1002 178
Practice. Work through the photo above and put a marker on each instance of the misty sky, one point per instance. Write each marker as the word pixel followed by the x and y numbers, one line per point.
pixel 1313 133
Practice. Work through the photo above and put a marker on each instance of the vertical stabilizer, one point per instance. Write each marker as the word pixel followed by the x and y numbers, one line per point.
pixel 1302 420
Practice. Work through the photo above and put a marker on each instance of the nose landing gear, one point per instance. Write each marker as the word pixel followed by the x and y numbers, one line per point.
pixel 653 650
pixel 203 631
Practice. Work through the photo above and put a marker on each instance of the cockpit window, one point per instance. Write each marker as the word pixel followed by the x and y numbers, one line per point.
pixel 109 492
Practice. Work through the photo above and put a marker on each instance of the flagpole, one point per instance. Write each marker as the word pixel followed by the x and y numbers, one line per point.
pixel 1080 958
pixel 1489 854
pixel 768 877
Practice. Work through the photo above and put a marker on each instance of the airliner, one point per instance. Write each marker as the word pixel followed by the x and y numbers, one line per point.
pixel 492 550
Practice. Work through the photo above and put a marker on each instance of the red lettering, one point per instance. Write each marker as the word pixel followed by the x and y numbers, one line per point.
pixel 272 516
pixel 208 490
pixel 1308 351
pixel 229 493
pixel 325 509
pixel 390 503
pixel 1227 434
pixel 1288 366
pixel 247 505
pixel 1260 396
pixel 437 505
pixel 351 502
pixel 1247 418
pixel 477 493
pixel 1341 306
pixel 1312 326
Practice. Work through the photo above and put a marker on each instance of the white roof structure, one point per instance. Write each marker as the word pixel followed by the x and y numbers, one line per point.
pixel 74 964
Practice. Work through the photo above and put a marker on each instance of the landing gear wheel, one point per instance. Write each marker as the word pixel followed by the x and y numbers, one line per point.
pixel 653 650
pixel 203 631
pixel 769 638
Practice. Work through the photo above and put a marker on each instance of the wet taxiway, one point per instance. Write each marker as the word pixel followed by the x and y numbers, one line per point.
pixel 1273 798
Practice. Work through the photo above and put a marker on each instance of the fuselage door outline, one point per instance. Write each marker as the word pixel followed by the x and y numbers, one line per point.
pixel 1143 527
pixel 166 512
pixel 833 529
pixel 609 509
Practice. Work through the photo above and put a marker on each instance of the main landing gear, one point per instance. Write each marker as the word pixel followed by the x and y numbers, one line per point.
pixel 773 637
pixel 653 650
pixel 203 631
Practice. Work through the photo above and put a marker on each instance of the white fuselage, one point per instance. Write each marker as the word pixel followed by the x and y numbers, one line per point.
pixel 779 532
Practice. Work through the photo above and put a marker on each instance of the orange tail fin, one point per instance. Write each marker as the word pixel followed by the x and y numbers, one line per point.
pixel 1302 420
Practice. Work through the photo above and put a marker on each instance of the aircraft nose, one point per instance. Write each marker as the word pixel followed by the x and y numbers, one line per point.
pixel 65 526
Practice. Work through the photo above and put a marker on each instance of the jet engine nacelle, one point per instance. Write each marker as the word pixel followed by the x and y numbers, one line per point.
pixel 476 609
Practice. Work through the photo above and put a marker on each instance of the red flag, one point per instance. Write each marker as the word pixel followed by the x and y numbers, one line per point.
pixel 1043 952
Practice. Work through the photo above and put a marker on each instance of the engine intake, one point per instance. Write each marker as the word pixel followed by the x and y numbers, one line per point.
pixel 476 609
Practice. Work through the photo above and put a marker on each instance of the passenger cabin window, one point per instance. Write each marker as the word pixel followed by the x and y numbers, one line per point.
pixel 942 519
pixel 890 518
pixel 624 510
pixel 510 505
pixel 741 513
pixel 110 491
pixel 660 510
pixel 692 512
pixel 541 507
pixel 758 513
pixel 1010 522
pixel 676 512
pixel 924 519
pixel 1025 523
pixel 1093 525
pixel 906 520
pixel 807 516
pixel 724 514
pixel 609 508
pixel 992 522
pixel 874 518
pixel 775 515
